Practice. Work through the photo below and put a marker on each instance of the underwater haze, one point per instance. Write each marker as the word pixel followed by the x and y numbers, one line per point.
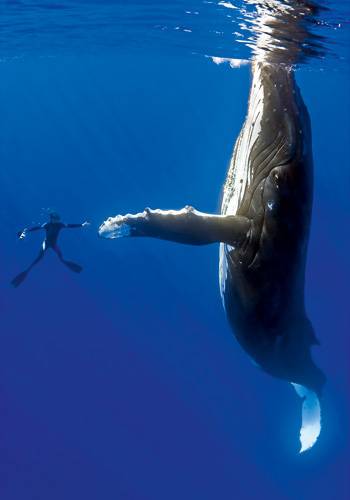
pixel 125 381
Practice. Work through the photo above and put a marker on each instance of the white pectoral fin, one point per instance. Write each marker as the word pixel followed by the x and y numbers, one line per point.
pixel 311 417
pixel 114 227
pixel 187 226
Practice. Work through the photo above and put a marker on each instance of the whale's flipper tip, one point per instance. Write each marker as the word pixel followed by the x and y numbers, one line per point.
pixel 311 417
pixel 114 228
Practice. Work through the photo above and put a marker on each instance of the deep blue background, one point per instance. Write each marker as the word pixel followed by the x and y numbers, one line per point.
pixel 125 382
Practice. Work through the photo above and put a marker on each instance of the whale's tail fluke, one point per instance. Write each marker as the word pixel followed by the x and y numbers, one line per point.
pixel 311 417
pixel 292 361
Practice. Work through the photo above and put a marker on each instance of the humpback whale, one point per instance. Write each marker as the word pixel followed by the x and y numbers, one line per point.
pixel 263 227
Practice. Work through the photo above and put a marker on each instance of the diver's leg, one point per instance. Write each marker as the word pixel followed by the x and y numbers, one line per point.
pixel 182 226
pixel 22 276
pixel 58 252
pixel 39 257
pixel 72 265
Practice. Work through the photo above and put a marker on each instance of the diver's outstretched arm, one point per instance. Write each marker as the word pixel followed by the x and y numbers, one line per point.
pixel 22 234
pixel 182 226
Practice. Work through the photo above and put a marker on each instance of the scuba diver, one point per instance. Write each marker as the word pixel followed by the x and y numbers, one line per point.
pixel 52 230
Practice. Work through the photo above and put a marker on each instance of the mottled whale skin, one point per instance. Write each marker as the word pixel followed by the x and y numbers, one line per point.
pixel 269 182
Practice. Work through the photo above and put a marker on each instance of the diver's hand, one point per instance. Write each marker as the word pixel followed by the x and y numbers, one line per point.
pixel 22 234
pixel 86 223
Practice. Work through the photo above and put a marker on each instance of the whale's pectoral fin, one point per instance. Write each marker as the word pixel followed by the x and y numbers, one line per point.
pixel 187 226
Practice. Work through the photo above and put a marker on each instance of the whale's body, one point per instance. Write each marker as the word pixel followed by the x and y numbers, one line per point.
pixel 269 181
pixel 265 216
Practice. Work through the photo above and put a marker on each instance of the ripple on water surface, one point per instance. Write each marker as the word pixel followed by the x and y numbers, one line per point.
pixel 221 29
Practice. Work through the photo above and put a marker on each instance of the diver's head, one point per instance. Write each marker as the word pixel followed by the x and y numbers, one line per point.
pixel 54 217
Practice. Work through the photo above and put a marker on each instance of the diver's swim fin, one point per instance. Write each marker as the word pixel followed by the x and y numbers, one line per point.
pixel 19 279
pixel 73 266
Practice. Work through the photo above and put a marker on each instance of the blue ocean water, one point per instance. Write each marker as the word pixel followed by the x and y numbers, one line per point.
pixel 125 382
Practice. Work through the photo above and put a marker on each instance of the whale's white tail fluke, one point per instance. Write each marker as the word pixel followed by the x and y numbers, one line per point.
pixel 311 417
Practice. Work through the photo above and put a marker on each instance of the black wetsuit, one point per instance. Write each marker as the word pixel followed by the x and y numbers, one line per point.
pixel 52 230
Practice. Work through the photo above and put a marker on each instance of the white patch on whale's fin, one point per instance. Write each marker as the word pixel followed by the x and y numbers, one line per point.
pixel 114 228
pixel 311 417
pixel 120 231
